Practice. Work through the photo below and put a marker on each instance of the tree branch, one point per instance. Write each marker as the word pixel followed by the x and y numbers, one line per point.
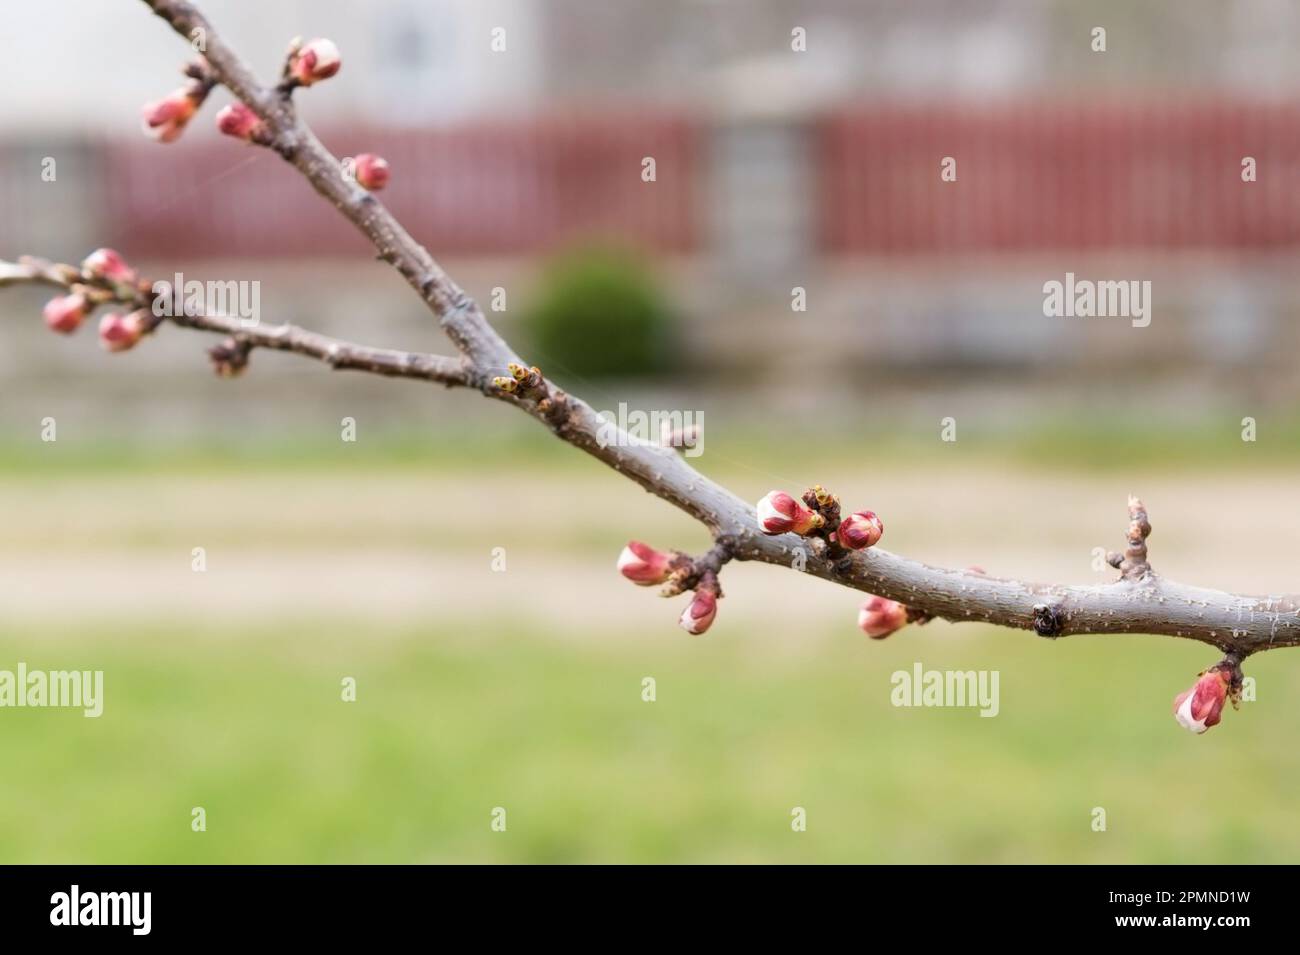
pixel 336 353
pixel 1139 602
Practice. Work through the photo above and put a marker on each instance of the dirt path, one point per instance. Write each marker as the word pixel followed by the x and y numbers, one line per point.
pixel 398 547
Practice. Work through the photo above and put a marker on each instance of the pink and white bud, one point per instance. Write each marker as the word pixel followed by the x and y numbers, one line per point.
pixel 166 119
pixel 314 61
pixel 878 617
pixel 779 513
pixel 698 617
pixel 860 529
pixel 371 171
pixel 239 121
pixel 107 264
pixel 643 565
pixel 119 332
pixel 66 313
pixel 1199 708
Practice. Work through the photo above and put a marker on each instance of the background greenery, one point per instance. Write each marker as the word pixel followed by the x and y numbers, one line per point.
pixel 523 689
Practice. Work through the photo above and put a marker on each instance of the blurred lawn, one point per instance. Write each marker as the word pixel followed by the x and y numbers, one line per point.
pixel 1082 442
pixel 523 689
pixel 452 722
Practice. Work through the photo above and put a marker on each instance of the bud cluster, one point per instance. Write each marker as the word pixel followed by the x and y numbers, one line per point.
pixel 306 64
pixel 522 381
pixel 677 572
pixel 818 515
pixel 103 278
pixel 529 383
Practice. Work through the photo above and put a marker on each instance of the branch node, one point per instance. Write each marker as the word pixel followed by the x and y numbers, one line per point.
pixel 1133 564
pixel 230 357
pixel 1049 621
pixel 826 509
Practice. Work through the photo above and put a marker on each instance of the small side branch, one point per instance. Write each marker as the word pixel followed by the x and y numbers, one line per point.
pixel 231 356
pixel 1133 563
pixel 338 354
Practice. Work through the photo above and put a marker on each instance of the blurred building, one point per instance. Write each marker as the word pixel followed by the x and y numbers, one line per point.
pixel 776 166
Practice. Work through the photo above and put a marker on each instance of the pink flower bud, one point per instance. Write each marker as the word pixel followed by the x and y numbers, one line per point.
pixel 317 60
pixel 860 529
pixel 643 565
pixel 879 617
pixel 779 513
pixel 239 121
pixel 1201 707
pixel 165 120
pixel 119 332
pixel 65 313
pixel 371 171
pixel 107 264
pixel 698 617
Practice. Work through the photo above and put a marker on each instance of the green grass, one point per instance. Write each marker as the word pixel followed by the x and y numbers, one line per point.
pixel 237 709
pixel 1084 443
pixel 453 721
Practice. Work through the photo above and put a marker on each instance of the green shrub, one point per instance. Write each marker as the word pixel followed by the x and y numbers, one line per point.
pixel 599 314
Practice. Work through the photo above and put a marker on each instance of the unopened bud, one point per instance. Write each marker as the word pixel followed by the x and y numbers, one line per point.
pixel 643 565
pixel 860 529
pixel 316 60
pixel 120 332
pixel 108 265
pixel 66 313
pixel 508 385
pixel 240 121
pixel 166 119
pixel 229 357
pixel 822 496
pixel 878 617
pixel 779 513
pixel 699 615
pixel 371 171
pixel 1199 708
